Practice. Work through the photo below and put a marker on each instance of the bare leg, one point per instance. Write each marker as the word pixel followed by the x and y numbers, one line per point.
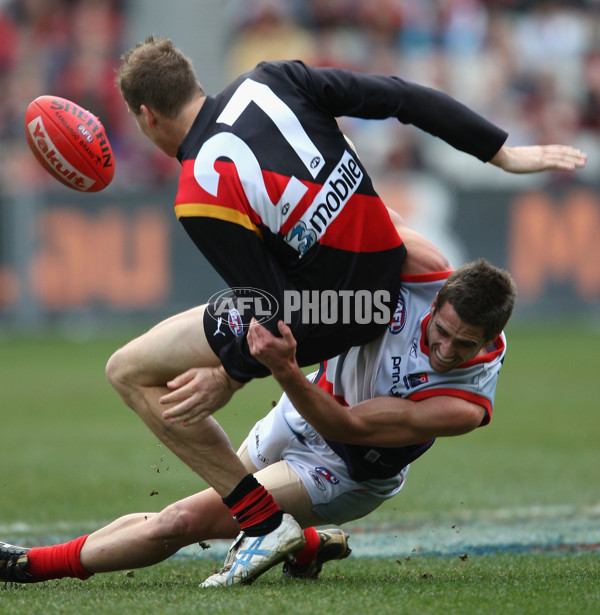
pixel 144 539
pixel 139 372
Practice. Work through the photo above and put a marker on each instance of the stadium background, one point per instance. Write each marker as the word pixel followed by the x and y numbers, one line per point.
pixel 84 262
pixel 512 510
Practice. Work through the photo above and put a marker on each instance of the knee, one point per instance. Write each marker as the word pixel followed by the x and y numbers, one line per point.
pixel 119 372
pixel 175 523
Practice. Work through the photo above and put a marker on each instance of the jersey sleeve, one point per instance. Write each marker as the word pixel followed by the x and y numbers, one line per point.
pixel 348 93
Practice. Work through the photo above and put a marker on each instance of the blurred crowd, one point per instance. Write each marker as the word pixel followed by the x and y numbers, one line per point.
pixel 531 66
pixel 67 48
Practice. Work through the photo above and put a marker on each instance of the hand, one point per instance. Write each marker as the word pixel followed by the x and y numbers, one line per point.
pixel 535 158
pixel 197 393
pixel 277 353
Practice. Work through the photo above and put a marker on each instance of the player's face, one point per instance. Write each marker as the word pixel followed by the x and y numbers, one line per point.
pixel 451 341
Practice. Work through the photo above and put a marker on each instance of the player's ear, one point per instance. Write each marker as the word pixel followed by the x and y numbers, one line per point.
pixel 433 305
pixel 149 115
pixel 491 342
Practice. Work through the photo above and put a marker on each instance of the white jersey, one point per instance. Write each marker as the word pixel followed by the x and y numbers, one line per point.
pixel 397 364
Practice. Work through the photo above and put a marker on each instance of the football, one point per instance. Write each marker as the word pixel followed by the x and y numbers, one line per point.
pixel 70 143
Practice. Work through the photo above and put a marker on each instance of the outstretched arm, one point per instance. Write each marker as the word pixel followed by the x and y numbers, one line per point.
pixel 535 158
pixel 382 421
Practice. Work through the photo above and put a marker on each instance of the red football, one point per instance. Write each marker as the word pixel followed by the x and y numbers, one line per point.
pixel 70 143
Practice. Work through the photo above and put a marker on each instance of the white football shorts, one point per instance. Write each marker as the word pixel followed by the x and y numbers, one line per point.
pixel 284 435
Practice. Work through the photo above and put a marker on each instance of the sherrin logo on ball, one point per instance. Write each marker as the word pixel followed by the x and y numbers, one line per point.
pixel 70 143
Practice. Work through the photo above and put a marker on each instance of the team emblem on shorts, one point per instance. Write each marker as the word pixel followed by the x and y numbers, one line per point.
pixel 327 475
pixel 398 319
pixel 235 322
pixel 238 305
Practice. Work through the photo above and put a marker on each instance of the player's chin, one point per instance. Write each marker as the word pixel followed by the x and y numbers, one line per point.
pixel 440 366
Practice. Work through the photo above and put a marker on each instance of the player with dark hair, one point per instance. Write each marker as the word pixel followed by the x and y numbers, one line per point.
pixel 276 199
pixel 340 441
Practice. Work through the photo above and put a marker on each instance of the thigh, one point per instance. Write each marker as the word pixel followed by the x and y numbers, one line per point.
pixel 314 480
pixel 170 348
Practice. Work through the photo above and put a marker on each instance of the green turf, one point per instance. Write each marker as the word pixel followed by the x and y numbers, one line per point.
pixel 72 453
pixel 541 447
pixel 521 584
pixel 72 450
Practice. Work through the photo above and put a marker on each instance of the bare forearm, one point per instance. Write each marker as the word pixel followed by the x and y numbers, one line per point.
pixel 321 410
pixel 382 421
pixel 326 415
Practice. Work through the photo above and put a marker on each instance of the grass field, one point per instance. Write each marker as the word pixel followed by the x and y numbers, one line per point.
pixel 504 519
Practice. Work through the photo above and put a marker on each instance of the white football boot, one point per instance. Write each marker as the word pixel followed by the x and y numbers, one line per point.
pixel 250 556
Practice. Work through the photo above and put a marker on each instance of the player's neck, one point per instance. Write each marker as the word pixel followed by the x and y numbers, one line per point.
pixel 188 115
pixel 173 131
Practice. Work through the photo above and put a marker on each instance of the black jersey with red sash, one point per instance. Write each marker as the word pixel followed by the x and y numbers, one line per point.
pixel 276 199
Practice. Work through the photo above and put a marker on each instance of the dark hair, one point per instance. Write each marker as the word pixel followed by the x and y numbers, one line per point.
pixel 159 75
pixel 481 295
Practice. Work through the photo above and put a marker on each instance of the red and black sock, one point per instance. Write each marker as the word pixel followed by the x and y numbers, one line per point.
pixel 57 561
pixel 253 507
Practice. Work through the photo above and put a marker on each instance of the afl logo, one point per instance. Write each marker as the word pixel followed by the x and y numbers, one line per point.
pixel 85 133
pixel 235 322
pixel 398 319
pixel 241 303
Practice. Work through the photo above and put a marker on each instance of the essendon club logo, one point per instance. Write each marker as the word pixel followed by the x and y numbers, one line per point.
pixel 235 322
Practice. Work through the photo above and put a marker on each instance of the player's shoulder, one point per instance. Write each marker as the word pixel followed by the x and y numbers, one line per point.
pixel 288 68
pixel 300 74
pixel 423 256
